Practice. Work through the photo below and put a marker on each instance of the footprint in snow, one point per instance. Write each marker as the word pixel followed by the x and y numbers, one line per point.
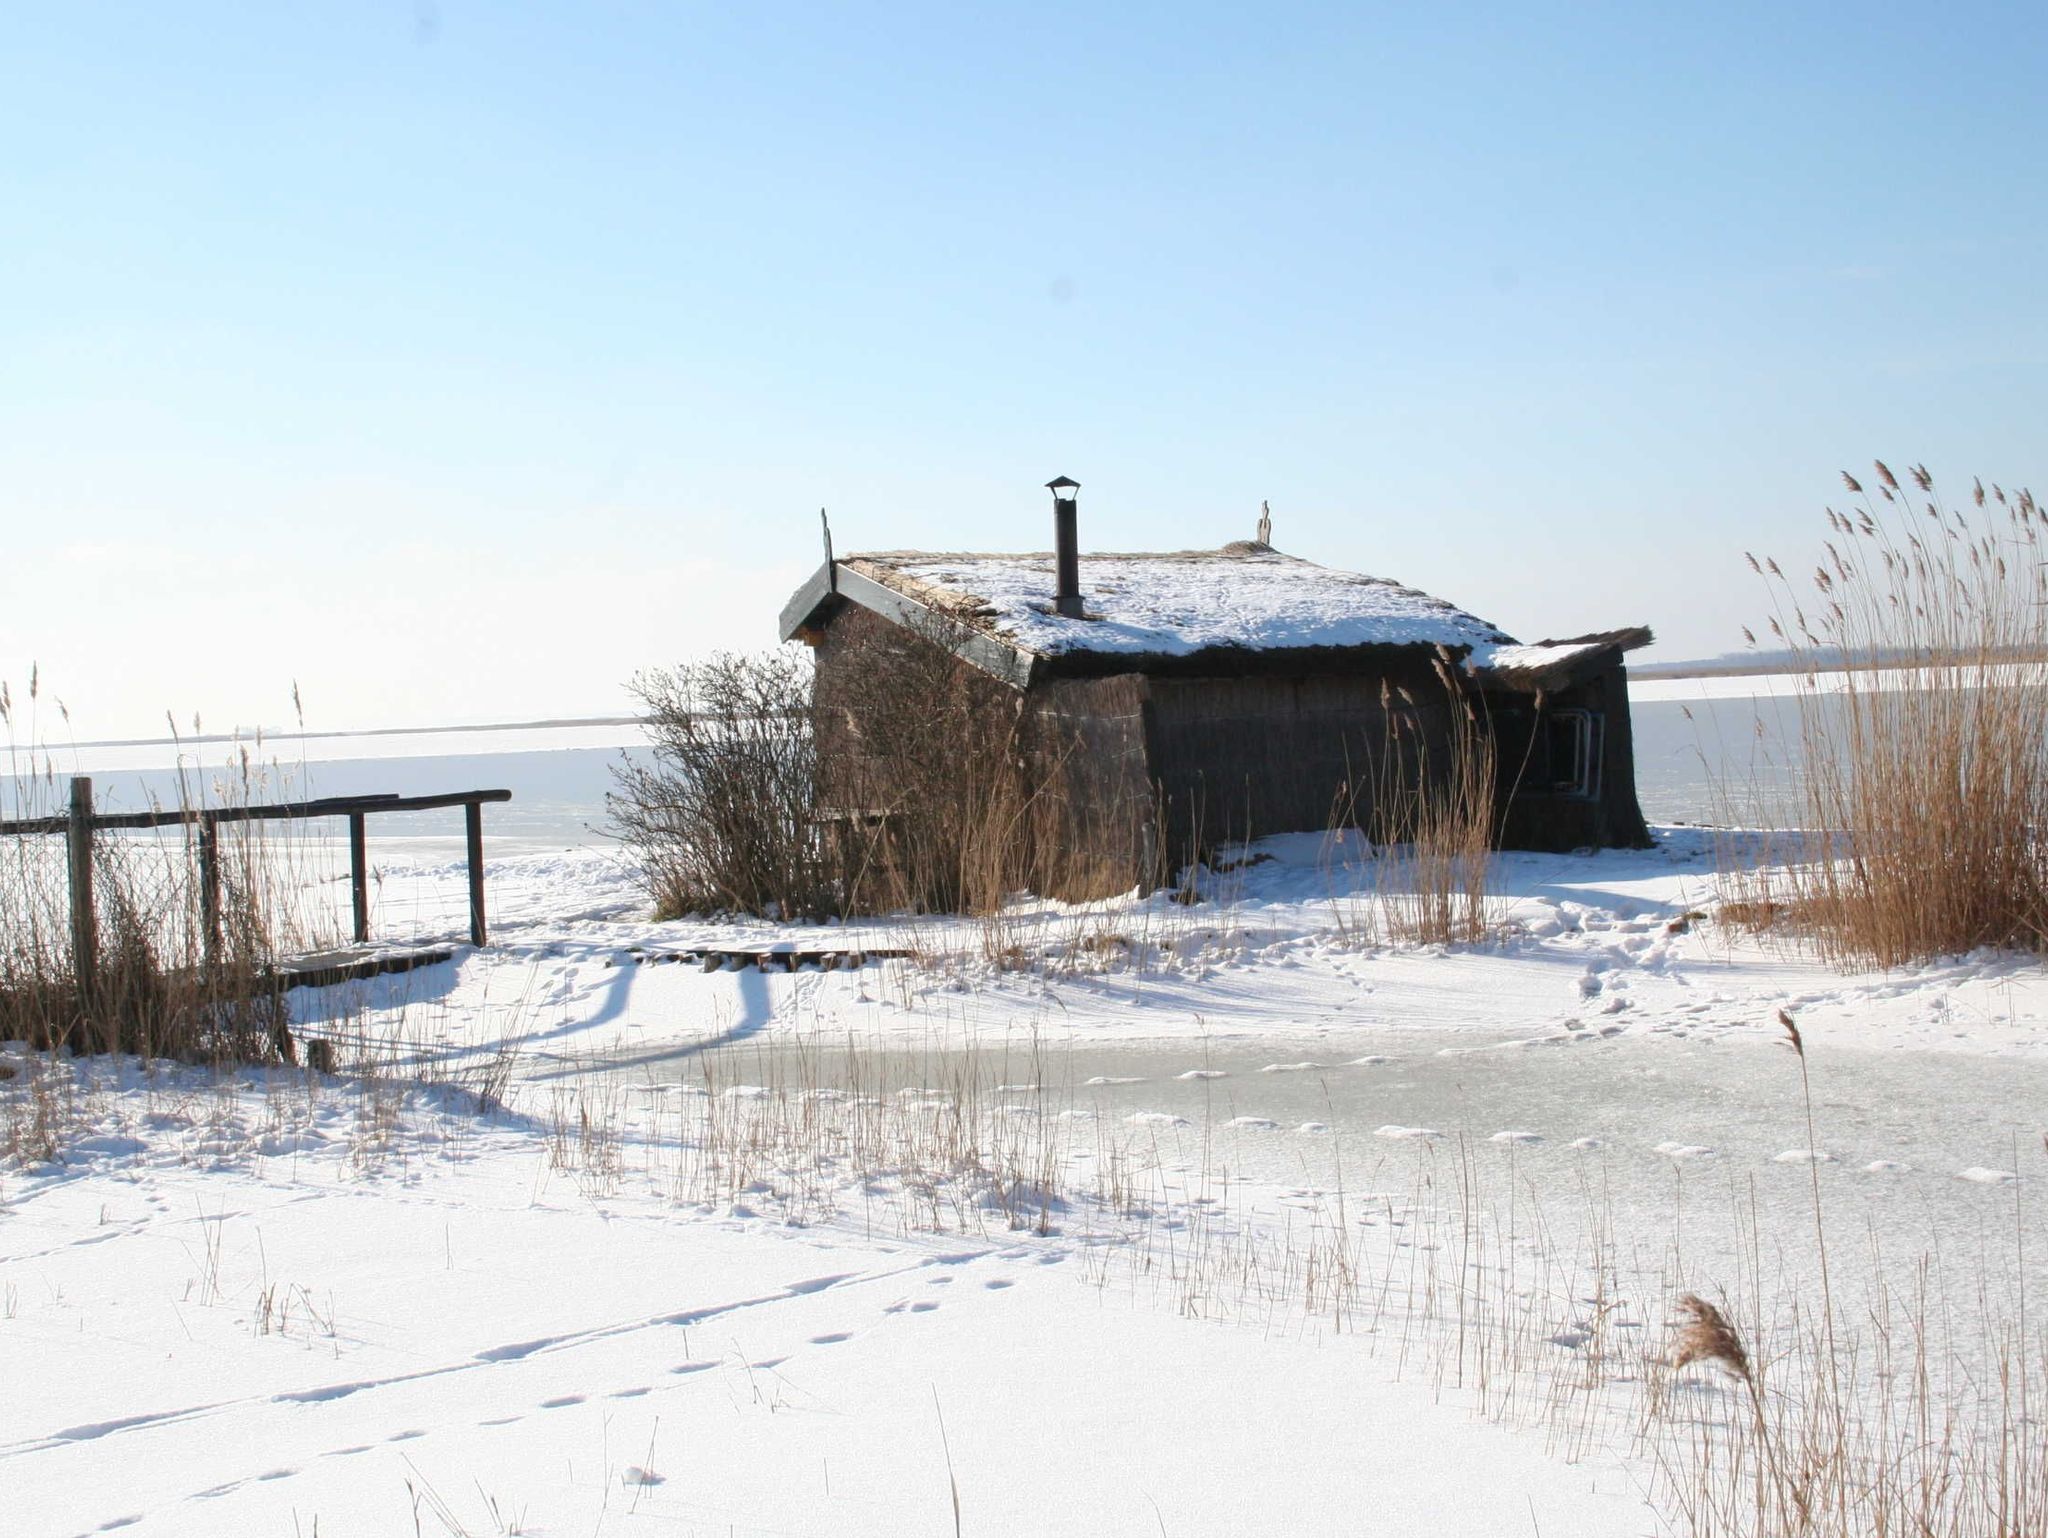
pixel 1676 1150
pixel 1516 1137
pixel 1392 1130
pixel 561 1402
pixel 835 1338
pixel 1979 1175
pixel 1885 1167
pixel 1203 1073
pixel 997 1284
pixel 1803 1156
pixel 1290 1067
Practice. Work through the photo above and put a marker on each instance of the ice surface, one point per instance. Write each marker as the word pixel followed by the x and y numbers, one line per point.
pixel 481 1320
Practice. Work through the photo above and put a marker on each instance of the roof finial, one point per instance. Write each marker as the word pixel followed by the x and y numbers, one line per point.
pixel 1265 524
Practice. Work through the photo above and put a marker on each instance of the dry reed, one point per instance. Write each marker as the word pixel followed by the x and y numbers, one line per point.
pixel 1428 803
pixel 1924 787
pixel 162 986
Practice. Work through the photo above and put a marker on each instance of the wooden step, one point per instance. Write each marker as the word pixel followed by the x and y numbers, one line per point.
pixel 723 959
pixel 351 964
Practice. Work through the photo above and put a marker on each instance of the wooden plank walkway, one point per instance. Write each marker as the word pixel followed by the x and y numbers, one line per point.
pixel 323 969
pixel 769 959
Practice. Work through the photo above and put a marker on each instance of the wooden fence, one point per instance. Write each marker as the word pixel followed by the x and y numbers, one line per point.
pixel 82 823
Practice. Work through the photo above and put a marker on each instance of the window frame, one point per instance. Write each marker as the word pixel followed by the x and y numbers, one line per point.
pixel 1588 728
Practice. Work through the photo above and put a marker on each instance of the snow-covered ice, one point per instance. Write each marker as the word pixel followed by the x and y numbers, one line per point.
pixel 246 1305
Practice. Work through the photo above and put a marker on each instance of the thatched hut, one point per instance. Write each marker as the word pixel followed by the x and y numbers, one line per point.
pixel 1154 708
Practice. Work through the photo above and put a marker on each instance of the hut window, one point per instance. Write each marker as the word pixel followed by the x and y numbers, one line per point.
pixel 1572 740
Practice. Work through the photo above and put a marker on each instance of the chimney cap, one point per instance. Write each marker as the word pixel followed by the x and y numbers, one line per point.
pixel 1060 483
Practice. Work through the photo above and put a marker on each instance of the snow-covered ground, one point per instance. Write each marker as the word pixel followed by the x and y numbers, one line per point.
pixel 1149 1225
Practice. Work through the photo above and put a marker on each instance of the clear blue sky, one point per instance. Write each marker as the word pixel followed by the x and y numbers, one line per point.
pixel 454 360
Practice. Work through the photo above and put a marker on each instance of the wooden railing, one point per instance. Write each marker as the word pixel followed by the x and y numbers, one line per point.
pixel 81 823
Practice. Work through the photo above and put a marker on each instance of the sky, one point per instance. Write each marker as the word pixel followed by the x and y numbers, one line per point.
pixel 447 363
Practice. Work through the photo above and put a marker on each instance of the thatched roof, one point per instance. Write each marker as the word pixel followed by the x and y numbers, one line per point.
pixel 1547 665
pixel 1243 607
pixel 1243 596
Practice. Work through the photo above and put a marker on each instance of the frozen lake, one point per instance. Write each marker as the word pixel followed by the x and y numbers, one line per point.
pixel 558 776
pixel 1684 1147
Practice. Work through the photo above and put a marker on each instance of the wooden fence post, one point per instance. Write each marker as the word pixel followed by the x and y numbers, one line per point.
pixel 359 877
pixel 473 826
pixel 209 886
pixel 85 927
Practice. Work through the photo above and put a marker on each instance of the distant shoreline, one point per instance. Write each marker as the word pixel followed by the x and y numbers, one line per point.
pixel 1710 668
pixel 1777 667
pixel 557 723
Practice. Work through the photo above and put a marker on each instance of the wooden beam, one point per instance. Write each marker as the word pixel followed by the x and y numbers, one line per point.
pixel 473 826
pixel 817 591
pixel 279 811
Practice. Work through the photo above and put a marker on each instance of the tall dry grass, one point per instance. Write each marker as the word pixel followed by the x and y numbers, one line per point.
pixel 1429 806
pixel 938 792
pixel 1924 787
pixel 161 986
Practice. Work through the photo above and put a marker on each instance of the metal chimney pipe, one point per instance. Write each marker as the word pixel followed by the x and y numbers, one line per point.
pixel 1066 546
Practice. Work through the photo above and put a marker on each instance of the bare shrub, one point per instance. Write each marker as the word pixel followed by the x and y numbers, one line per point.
pixel 722 813
pixel 1924 789
pixel 914 783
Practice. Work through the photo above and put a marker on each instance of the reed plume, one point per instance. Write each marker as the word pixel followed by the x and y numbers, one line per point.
pixel 1707 1335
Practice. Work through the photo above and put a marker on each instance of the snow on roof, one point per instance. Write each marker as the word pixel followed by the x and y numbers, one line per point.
pixel 1509 659
pixel 1550 664
pixel 1243 596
